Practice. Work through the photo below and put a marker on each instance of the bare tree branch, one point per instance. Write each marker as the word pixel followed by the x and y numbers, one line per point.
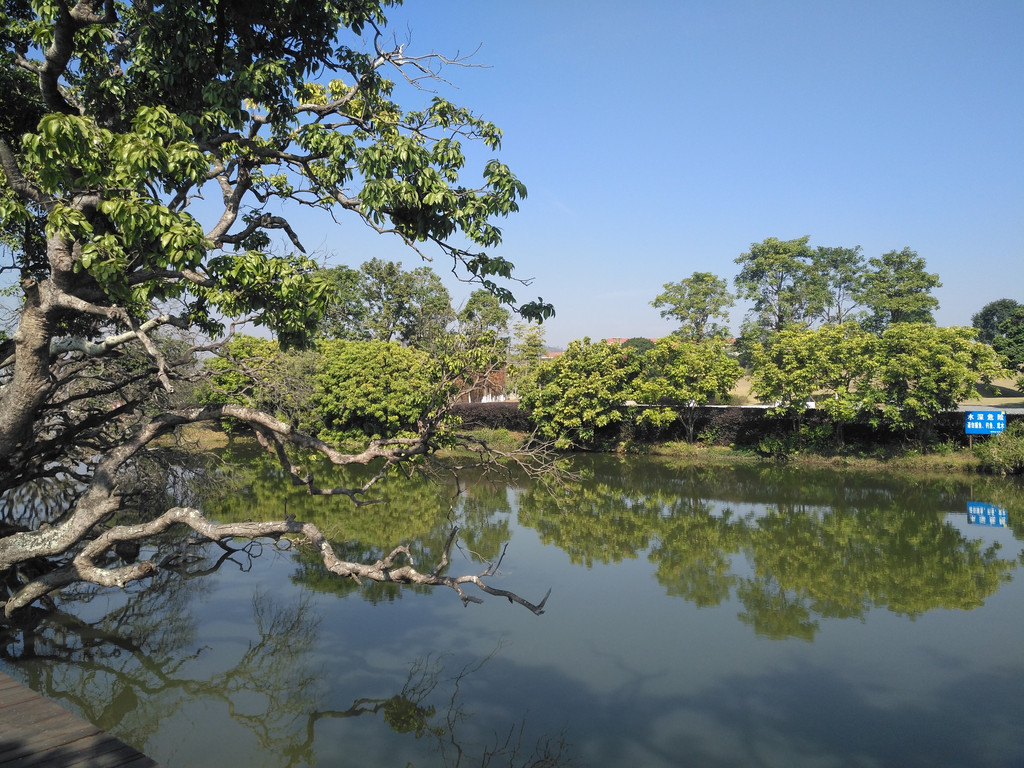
pixel 386 570
pixel 95 349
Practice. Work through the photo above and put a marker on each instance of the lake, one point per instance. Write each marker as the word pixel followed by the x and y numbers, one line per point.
pixel 747 616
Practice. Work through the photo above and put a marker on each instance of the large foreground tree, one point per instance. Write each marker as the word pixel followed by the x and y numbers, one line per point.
pixel 150 154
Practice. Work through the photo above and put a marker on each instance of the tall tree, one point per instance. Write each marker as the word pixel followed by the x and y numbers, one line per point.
pixel 779 277
pixel 990 317
pixel 148 109
pixel 525 350
pixel 483 312
pixel 429 308
pixel 403 306
pixel 1000 323
pixel 383 301
pixel 1010 340
pixel 346 309
pixel 897 289
pixel 697 303
pixel 842 269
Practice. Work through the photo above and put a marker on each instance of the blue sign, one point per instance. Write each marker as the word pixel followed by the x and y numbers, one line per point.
pixel 985 422
pixel 980 513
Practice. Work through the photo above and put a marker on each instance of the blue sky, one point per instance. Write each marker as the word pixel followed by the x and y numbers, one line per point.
pixel 666 140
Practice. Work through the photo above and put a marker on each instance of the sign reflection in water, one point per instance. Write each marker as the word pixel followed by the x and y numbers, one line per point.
pixel 757 616
pixel 980 513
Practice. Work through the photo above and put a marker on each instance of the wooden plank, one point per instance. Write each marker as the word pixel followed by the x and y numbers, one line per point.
pixel 38 733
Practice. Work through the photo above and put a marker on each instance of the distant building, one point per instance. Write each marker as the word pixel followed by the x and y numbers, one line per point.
pixel 489 390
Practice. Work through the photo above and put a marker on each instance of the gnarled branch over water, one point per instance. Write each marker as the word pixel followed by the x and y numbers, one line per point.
pixel 397 568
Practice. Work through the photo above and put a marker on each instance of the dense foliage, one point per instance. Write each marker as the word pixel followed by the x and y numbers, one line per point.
pixel 899 382
pixel 681 375
pixel 370 389
pixel 582 391
pixel 697 303
pixel 382 301
pixel 1001 324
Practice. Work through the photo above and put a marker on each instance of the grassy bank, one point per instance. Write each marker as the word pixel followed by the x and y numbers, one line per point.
pixel 890 458
pixel 939 459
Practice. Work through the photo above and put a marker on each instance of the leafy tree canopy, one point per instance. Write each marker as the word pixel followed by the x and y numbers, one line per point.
pixel 842 269
pixel 525 350
pixel 923 370
pixel 897 289
pixel 779 277
pixel 582 391
pixel 1010 341
pixel 639 343
pixel 831 366
pixel 988 319
pixel 697 303
pixel 371 389
pixel 685 375
pixel 1001 324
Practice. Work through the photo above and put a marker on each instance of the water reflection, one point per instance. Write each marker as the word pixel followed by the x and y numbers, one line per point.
pixel 142 664
pixel 793 547
pixel 414 511
pixel 812 545
pixel 677 593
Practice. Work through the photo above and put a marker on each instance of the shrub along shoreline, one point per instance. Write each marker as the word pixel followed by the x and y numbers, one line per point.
pixel 734 433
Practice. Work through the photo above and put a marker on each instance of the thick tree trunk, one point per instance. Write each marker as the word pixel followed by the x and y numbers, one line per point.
pixel 29 385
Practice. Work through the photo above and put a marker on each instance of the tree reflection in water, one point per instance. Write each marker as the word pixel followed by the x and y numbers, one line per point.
pixel 784 550
pixel 136 666
pixel 819 545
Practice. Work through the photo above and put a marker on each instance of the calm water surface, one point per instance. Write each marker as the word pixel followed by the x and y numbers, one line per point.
pixel 698 617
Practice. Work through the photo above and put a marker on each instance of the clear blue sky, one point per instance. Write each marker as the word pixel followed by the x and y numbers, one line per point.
pixel 661 138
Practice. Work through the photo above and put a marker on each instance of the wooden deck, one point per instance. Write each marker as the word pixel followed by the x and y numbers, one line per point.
pixel 34 731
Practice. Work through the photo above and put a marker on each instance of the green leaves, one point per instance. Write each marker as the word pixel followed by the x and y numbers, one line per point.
pixel 575 396
pixel 371 389
pixel 901 380
pixel 897 289
pixel 697 302
pixel 924 370
pixel 778 277
pixel 685 374
pixel 282 290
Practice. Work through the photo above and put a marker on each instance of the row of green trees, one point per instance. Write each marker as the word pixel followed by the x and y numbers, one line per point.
pixel 899 380
pixel 854 337
pixel 390 353
pixel 789 284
